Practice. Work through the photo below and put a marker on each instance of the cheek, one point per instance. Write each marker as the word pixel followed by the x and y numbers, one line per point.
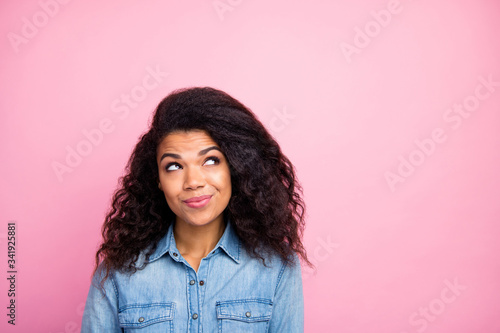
pixel 225 182
pixel 173 204
pixel 222 182
pixel 171 193
pixel 171 183
pixel 170 200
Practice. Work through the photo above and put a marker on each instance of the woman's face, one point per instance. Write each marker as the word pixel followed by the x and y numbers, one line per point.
pixel 194 176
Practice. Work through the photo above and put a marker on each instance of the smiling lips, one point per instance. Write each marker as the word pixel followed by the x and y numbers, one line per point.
pixel 198 202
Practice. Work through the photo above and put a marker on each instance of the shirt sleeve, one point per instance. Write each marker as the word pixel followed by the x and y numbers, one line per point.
pixel 288 305
pixel 101 308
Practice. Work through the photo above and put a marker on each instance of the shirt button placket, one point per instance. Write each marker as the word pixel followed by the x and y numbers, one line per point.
pixel 193 302
pixel 197 284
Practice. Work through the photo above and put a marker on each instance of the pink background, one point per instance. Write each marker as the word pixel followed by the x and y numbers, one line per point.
pixel 346 87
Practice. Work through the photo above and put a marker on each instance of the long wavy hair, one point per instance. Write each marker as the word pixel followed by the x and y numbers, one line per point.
pixel 266 207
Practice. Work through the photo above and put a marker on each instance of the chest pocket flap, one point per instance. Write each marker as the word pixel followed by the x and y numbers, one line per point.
pixel 141 315
pixel 246 310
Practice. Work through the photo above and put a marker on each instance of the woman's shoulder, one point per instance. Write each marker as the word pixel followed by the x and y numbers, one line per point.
pixel 271 261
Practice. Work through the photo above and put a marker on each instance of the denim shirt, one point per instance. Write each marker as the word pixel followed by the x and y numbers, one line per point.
pixel 230 292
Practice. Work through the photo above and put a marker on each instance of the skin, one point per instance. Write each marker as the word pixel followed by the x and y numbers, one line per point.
pixel 190 165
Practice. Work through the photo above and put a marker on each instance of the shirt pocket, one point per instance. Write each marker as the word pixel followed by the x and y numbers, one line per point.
pixel 244 315
pixel 149 317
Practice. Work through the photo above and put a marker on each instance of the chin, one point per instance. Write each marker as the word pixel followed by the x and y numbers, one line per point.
pixel 199 222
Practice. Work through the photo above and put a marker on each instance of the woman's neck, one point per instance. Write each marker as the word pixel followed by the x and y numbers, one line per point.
pixel 197 241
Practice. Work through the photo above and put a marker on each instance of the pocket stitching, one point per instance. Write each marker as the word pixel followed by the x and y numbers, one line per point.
pixel 223 313
pixel 133 324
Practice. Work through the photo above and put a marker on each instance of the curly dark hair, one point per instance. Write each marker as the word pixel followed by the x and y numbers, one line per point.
pixel 266 207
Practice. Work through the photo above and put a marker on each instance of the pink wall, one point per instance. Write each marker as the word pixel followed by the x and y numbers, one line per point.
pixel 389 109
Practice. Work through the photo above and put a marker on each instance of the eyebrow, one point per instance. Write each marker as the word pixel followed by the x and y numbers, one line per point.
pixel 201 153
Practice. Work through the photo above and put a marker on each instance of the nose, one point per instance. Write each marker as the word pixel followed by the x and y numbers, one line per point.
pixel 194 179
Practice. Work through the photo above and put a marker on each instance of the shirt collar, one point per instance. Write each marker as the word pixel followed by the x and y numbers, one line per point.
pixel 229 243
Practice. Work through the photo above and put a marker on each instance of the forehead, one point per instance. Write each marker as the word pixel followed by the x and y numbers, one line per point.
pixel 194 140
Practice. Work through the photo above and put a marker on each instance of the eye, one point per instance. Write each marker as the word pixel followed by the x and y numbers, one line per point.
pixel 172 166
pixel 212 160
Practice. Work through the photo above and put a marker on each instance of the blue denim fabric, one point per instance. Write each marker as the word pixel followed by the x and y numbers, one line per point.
pixel 231 292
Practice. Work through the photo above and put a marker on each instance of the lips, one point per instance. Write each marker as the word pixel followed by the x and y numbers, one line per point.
pixel 197 199
pixel 197 202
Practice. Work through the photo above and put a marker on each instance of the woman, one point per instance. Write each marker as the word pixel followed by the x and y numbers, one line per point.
pixel 204 233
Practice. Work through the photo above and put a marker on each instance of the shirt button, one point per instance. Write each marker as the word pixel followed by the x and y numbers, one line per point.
pixel 141 319
pixel 202 282
pixel 175 254
pixel 248 314
pixel 191 282
pixel 195 316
